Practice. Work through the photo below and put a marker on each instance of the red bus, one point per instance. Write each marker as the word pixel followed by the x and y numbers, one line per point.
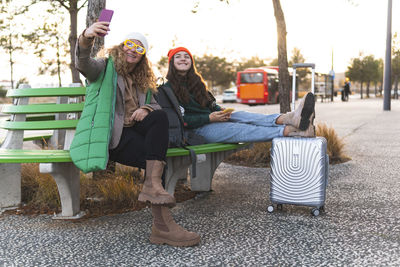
pixel 258 86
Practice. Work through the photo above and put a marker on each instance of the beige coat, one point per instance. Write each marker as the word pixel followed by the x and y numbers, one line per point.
pixel 91 69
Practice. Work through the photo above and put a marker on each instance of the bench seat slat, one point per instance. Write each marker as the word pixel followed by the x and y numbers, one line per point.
pixel 38 125
pixel 42 108
pixel 33 156
pixel 47 156
pixel 47 92
pixel 203 149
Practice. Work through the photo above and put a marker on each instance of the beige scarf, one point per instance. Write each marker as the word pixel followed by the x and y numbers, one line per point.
pixel 131 101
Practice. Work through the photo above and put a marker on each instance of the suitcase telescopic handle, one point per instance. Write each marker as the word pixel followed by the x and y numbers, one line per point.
pixel 301 65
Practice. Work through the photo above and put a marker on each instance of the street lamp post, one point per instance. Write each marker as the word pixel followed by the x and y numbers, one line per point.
pixel 387 80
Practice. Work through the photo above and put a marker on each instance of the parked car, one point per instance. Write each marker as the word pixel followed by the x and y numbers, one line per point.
pixel 229 95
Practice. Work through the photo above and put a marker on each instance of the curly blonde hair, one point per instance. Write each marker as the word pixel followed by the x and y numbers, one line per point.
pixel 142 75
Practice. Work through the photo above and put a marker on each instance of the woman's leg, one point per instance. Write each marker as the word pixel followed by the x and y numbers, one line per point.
pixel 166 231
pixel 154 129
pixel 255 118
pixel 145 145
pixel 233 132
pixel 131 150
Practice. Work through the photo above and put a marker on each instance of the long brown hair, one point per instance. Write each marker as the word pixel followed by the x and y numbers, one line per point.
pixel 191 83
pixel 142 75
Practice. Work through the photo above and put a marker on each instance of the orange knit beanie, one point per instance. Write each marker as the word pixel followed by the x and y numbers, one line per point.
pixel 172 52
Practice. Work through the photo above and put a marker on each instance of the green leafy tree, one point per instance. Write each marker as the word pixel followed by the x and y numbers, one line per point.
pixel 162 65
pixel 51 46
pixel 297 57
pixel 215 70
pixel 355 72
pixel 396 64
pixel 73 7
pixel 253 62
pixel 370 70
pixel 9 38
pixel 274 62
pixel 379 78
pixel 364 69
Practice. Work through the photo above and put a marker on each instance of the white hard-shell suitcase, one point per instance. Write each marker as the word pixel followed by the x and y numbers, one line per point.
pixel 299 167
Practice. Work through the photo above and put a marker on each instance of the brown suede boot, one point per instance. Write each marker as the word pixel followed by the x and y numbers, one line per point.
pixel 153 190
pixel 300 118
pixel 166 231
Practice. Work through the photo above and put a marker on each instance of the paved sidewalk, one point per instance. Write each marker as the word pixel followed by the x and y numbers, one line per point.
pixel 360 226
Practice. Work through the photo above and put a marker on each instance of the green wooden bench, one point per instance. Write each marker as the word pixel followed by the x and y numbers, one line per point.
pixel 61 116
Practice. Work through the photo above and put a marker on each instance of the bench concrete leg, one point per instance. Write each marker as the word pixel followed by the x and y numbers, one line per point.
pixel 206 169
pixel 10 185
pixel 67 177
pixel 177 169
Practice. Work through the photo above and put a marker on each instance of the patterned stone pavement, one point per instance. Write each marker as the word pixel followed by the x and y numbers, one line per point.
pixel 359 228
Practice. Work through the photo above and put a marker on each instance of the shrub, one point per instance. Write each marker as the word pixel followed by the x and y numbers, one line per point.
pixel 113 193
pixel 259 154
pixel 3 92
pixel 335 144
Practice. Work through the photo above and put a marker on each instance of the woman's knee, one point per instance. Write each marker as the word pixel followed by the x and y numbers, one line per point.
pixel 160 119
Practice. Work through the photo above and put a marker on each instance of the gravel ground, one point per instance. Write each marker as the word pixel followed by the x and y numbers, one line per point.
pixel 359 228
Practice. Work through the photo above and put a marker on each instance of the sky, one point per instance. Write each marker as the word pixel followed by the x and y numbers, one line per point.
pixel 322 29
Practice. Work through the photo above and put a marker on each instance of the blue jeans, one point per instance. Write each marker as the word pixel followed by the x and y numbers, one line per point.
pixel 242 127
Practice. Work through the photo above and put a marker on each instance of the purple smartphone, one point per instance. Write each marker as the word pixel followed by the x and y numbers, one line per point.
pixel 105 15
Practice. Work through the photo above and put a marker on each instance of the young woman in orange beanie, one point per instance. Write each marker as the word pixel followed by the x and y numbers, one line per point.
pixel 206 118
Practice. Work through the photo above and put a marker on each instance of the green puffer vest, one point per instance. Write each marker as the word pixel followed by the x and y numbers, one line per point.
pixel 89 148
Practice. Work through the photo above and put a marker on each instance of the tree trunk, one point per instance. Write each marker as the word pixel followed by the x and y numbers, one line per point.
pixel 368 89
pixel 361 89
pixel 10 51
pixel 58 62
pixel 284 79
pixel 93 12
pixel 73 14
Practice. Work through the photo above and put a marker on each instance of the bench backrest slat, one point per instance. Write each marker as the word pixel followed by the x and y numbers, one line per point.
pixel 47 92
pixel 42 108
pixel 38 125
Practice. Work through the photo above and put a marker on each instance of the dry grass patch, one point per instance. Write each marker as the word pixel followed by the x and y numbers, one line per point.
pixel 259 154
pixel 111 194
pixel 335 144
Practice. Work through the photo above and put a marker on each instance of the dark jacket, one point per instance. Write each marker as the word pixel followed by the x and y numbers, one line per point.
pixel 194 115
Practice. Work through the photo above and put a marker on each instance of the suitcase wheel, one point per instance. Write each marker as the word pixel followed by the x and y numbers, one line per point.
pixel 315 211
pixel 270 209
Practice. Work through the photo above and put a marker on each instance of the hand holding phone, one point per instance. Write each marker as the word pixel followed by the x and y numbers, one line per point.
pixel 105 15
pixel 228 110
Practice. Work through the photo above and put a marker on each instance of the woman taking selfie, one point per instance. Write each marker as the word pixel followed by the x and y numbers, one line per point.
pixel 140 130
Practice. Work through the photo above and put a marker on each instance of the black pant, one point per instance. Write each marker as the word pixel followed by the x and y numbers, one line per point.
pixel 145 140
